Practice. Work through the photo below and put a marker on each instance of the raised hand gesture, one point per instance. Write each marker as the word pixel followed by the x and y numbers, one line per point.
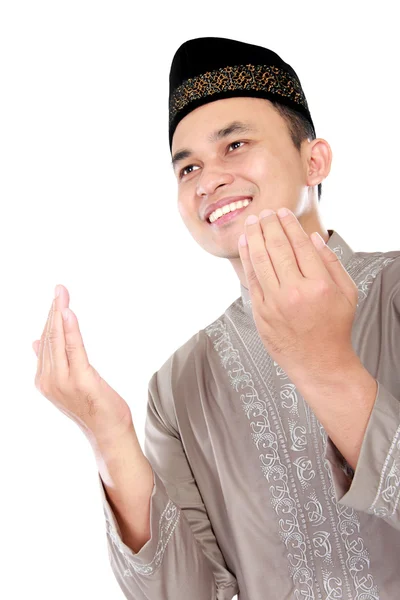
pixel 66 378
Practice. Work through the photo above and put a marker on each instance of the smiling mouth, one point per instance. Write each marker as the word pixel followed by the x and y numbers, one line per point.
pixel 219 218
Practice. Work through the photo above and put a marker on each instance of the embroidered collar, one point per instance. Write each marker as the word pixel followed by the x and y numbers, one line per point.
pixel 335 242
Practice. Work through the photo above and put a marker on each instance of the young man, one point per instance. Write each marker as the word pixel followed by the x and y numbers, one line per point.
pixel 274 433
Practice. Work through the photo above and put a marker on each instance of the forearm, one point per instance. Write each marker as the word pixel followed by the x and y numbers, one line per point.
pixel 342 401
pixel 128 482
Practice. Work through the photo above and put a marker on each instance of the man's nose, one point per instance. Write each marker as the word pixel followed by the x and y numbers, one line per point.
pixel 211 178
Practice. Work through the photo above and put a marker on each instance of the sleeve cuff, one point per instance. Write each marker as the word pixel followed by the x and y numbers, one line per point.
pixel 375 486
pixel 164 517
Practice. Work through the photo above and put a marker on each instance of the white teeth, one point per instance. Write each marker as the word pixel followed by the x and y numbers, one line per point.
pixel 228 208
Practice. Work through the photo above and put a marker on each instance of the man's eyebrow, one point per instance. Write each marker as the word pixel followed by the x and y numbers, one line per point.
pixel 234 127
pixel 180 155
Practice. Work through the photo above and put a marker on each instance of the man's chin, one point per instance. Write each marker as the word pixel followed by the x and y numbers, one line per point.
pixel 228 253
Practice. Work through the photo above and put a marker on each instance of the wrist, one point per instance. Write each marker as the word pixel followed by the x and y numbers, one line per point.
pixel 334 374
pixel 114 450
pixel 347 386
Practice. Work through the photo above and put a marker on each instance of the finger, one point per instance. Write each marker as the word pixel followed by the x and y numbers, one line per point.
pixel 259 256
pixel 59 365
pixel 279 248
pixel 308 259
pixel 255 290
pixel 74 346
pixel 335 268
pixel 42 347
pixel 39 346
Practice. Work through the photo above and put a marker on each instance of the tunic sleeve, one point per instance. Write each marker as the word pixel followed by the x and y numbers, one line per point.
pixel 182 559
pixel 374 486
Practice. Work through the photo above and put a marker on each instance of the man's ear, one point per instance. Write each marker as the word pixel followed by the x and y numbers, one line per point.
pixel 319 161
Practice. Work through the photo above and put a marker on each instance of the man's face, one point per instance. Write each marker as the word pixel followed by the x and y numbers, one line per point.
pixel 261 163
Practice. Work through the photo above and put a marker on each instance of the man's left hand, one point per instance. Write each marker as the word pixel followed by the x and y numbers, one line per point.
pixel 303 299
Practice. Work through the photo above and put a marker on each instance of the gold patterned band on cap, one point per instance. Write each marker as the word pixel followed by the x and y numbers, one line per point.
pixel 240 77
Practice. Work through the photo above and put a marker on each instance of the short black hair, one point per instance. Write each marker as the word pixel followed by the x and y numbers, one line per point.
pixel 299 128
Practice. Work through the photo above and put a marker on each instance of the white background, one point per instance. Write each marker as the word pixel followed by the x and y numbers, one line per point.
pixel 88 199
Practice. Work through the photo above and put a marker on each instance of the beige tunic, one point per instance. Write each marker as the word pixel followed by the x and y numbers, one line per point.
pixel 250 496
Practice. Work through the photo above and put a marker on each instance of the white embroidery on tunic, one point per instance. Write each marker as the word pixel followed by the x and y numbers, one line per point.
pixel 279 371
pixel 358 559
pixel 338 250
pixel 298 436
pixel 316 516
pixel 331 520
pixel 168 521
pixel 332 593
pixel 272 468
pixel 282 375
pixel 289 398
pixel 305 472
pixel 314 508
pixel 307 537
pixel 323 546
pixel 365 285
pixel 388 494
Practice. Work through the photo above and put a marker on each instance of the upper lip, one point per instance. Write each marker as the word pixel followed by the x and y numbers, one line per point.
pixel 210 209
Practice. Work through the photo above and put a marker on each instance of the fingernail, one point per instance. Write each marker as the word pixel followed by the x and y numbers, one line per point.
pixel 318 239
pixel 57 291
pixel 251 220
pixel 243 240
pixel 283 212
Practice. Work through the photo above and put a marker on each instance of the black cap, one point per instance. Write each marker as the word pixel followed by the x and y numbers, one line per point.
pixel 207 69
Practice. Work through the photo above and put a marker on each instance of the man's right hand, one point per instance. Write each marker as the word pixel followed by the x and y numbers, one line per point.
pixel 66 378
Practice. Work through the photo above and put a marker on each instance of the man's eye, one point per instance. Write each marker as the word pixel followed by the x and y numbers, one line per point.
pixel 233 143
pixel 183 171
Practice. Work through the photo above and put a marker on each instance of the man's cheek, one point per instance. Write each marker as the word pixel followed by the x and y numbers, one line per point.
pixel 188 212
pixel 256 170
pixel 182 209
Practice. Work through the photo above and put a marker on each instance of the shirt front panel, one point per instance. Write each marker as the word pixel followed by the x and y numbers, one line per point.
pixel 257 453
